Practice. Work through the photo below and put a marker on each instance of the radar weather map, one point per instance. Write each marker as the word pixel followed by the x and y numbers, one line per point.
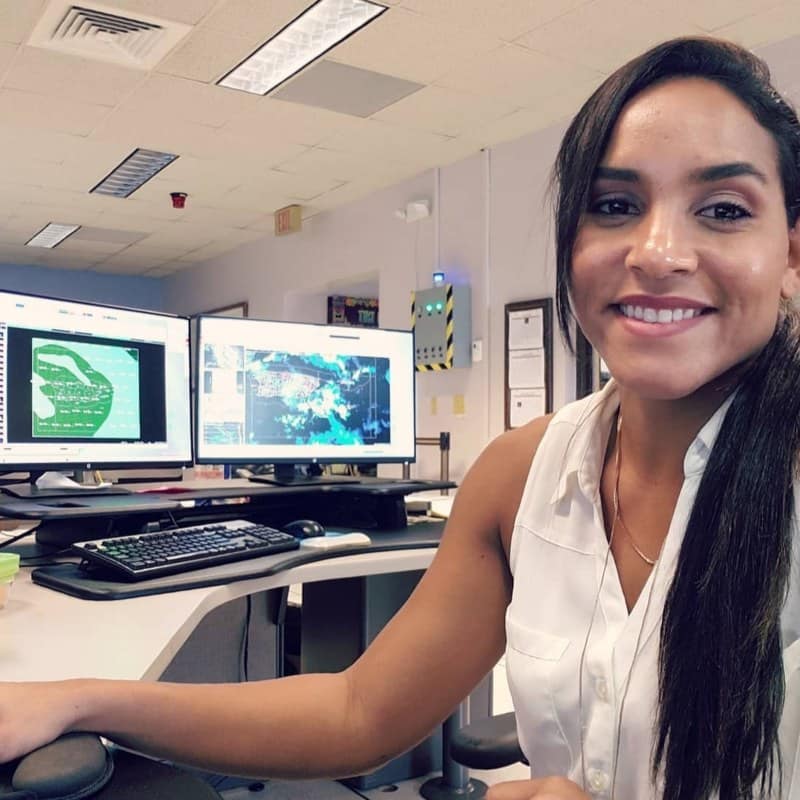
pixel 301 399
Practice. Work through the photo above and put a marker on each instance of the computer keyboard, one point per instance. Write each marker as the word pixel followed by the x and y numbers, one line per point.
pixel 150 555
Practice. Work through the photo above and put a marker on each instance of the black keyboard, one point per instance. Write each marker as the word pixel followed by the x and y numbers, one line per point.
pixel 150 555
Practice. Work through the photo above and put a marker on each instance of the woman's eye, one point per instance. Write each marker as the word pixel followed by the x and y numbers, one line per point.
pixel 614 207
pixel 725 212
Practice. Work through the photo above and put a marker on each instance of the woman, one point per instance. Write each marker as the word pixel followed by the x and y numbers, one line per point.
pixel 638 548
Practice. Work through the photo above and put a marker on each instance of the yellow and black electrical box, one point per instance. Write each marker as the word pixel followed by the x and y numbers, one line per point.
pixel 441 320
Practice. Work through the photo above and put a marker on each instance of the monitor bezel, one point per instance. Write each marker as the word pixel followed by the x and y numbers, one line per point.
pixel 46 466
pixel 300 460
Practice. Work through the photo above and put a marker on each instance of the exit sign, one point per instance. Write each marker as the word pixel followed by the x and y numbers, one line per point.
pixel 288 220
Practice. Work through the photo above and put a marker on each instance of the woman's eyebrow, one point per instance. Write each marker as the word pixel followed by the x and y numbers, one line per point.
pixel 716 172
pixel 720 172
pixel 616 174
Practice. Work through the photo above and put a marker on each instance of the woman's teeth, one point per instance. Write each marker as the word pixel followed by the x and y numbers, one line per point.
pixel 660 316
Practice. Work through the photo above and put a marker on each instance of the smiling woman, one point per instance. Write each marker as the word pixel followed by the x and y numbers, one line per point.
pixel 678 250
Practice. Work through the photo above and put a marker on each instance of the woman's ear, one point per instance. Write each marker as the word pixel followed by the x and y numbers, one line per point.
pixel 790 284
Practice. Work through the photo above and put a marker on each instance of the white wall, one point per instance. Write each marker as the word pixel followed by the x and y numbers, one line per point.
pixel 489 228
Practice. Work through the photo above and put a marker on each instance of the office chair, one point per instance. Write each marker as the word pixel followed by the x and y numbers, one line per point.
pixel 489 743
pixel 78 766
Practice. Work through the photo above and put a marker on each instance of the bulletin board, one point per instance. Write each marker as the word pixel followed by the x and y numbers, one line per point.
pixel 529 361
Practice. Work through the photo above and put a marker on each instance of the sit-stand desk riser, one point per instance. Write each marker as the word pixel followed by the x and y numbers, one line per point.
pixel 369 505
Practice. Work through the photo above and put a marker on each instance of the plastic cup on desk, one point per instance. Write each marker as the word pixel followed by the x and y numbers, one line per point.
pixel 9 567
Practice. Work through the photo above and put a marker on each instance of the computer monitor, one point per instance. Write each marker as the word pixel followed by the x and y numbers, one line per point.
pixel 289 393
pixel 85 386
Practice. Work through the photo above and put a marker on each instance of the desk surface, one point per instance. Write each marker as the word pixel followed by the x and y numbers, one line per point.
pixel 46 635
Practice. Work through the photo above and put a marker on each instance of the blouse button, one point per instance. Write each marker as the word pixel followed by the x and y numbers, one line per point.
pixel 601 687
pixel 598 780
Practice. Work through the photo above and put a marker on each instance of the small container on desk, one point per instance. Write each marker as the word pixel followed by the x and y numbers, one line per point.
pixel 9 567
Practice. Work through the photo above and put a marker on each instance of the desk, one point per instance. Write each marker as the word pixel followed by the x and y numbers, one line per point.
pixel 47 635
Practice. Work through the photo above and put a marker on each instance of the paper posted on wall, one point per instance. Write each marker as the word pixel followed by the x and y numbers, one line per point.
pixel 525 369
pixel 526 404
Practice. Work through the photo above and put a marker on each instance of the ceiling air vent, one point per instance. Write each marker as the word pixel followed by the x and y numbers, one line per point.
pixel 102 32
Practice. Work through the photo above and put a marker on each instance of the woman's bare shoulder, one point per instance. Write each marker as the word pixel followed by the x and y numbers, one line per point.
pixel 501 471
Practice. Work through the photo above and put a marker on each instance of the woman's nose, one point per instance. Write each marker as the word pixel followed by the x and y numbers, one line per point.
pixel 661 245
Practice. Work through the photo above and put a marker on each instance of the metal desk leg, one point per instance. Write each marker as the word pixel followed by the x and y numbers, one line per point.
pixel 455 781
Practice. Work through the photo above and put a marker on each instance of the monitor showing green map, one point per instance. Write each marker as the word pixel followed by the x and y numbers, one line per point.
pixel 84 385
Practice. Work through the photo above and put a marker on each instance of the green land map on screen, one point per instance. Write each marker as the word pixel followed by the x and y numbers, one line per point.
pixel 83 390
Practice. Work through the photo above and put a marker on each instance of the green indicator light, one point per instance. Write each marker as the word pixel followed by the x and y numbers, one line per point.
pixel 439 306
pixel 429 308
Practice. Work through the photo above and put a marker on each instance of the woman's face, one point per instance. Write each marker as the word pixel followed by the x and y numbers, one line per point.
pixel 684 253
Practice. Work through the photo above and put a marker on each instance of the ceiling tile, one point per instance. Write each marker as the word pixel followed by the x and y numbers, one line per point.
pixel 777 23
pixel 28 110
pixel 227 217
pixel 381 140
pixel 783 67
pixel 345 89
pixel 711 15
pixel 411 46
pixel 229 239
pixel 171 98
pixel 207 55
pixel 96 250
pixel 593 36
pixel 518 76
pixel 260 194
pixel 18 18
pixel 128 131
pixel 70 78
pixel 296 123
pixel 506 19
pixel 244 17
pixel 444 111
pixel 335 164
pixel 7 53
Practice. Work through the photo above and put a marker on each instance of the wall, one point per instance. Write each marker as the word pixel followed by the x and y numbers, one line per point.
pixel 489 228
pixel 122 290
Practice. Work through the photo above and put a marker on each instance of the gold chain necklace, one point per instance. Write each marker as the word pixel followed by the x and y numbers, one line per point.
pixel 618 508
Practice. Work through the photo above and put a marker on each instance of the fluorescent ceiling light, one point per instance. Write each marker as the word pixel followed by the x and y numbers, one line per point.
pixel 51 235
pixel 134 171
pixel 312 34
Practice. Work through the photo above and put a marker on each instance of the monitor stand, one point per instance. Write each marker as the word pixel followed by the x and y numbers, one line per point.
pixel 285 475
pixel 52 484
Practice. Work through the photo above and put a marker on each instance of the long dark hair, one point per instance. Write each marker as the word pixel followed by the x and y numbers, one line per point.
pixel 721 681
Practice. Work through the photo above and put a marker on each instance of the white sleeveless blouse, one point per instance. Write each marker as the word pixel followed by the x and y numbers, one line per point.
pixel 558 555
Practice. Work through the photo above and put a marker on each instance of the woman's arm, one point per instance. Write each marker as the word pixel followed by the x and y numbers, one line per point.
pixel 448 635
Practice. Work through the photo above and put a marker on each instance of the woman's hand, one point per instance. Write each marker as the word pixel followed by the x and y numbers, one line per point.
pixel 552 788
pixel 33 714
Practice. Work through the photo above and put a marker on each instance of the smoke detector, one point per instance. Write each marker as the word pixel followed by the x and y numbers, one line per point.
pixel 105 33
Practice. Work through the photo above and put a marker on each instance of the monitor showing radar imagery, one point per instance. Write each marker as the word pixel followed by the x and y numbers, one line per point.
pixel 302 393
pixel 85 385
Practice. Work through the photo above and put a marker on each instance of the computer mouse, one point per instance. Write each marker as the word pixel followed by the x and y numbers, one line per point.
pixel 304 528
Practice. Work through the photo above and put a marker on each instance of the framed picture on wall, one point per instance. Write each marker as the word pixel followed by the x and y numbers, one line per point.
pixel 359 311
pixel 591 372
pixel 528 361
